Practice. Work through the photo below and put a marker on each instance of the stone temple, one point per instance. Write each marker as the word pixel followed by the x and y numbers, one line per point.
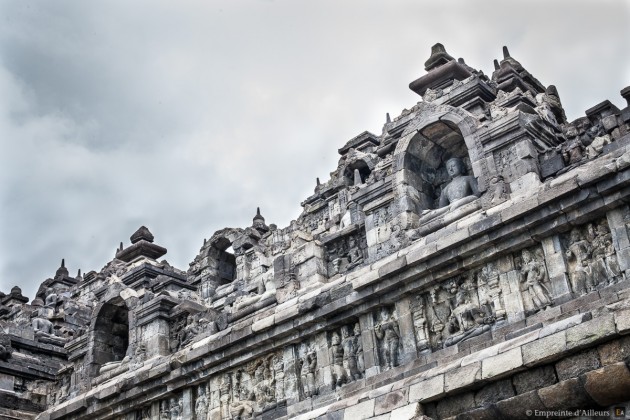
pixel 471 261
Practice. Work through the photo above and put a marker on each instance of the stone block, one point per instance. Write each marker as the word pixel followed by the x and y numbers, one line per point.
pixel 455 405
pixel 563 324
pixel 590 332
pixel 544 349
pixel 567 394
pixel 480 355
pixel 614 351
pixel 534 379
pixel 427 390
pixel 608 385
pixel 407 412
pixel 7 382
pixel 493 392
pixel 362 410
pixel 518 341
pixel 263 324
pixel 519 209
pixel 518 406
pixel 390 401
pixel 392 267
pixel 502 364
pixel 574 365
pixel 457 379
pixel 622 321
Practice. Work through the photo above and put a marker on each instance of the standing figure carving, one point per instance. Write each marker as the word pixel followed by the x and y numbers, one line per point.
pixel 278 367
pixel 533 275
pixel 388 333
pixel 176 409
pixel 201 404
pixel 225 390
pixel 339 375
pixel 420 324
pixel 308 367
pixel 358 345
pixel 349 354
pixel 579 255
pixel 604 257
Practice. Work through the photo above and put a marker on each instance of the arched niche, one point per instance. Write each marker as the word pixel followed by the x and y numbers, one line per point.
pixel 364 172
pixel 110 333
pixel 438 133
pixel 222 261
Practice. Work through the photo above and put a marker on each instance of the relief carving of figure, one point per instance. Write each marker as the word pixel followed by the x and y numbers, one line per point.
pixel 339 375
pixel 355 255
pixel 201 404
pixel 242 406
pixel 176 408
pixel 533 274
pixel 579 255
pixel 165 411
pixel 604 256
pixel 358 345
pixel 264 388
pixel 420 324
pixel 225 390
pixel 308 367
pixel 350 363
pixel 388 333
pixel 188 332
pixel 278 367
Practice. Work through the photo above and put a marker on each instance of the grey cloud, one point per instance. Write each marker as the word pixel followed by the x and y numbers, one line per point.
pixel 185 116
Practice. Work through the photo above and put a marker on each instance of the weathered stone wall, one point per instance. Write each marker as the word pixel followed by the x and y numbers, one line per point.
pixel 471 261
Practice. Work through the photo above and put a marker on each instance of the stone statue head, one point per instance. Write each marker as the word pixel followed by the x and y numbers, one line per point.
pixel 384 314
pixel 334 338
pixel 345 331
pixel 357 329
pixel 455 167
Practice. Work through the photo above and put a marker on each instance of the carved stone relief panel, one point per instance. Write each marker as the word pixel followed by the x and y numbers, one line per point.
pixel 591 257
pixel 245 392
pixel 345 348
pixel 459 308
pixel 346 253
pixel 172 408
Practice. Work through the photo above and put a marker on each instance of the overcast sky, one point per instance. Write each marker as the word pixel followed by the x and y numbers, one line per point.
pixel 185 116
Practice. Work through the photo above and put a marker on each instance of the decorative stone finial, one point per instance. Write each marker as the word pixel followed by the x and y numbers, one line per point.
pixel 439 56
pixel 258 216
pixel 16 290
pixel 388 119
pixel 79 274
pixel 140 234
pixel 121 247
pixel 259 222
pixel 318 183
pixel 506 53
pixel 496 64
pixel 62 270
